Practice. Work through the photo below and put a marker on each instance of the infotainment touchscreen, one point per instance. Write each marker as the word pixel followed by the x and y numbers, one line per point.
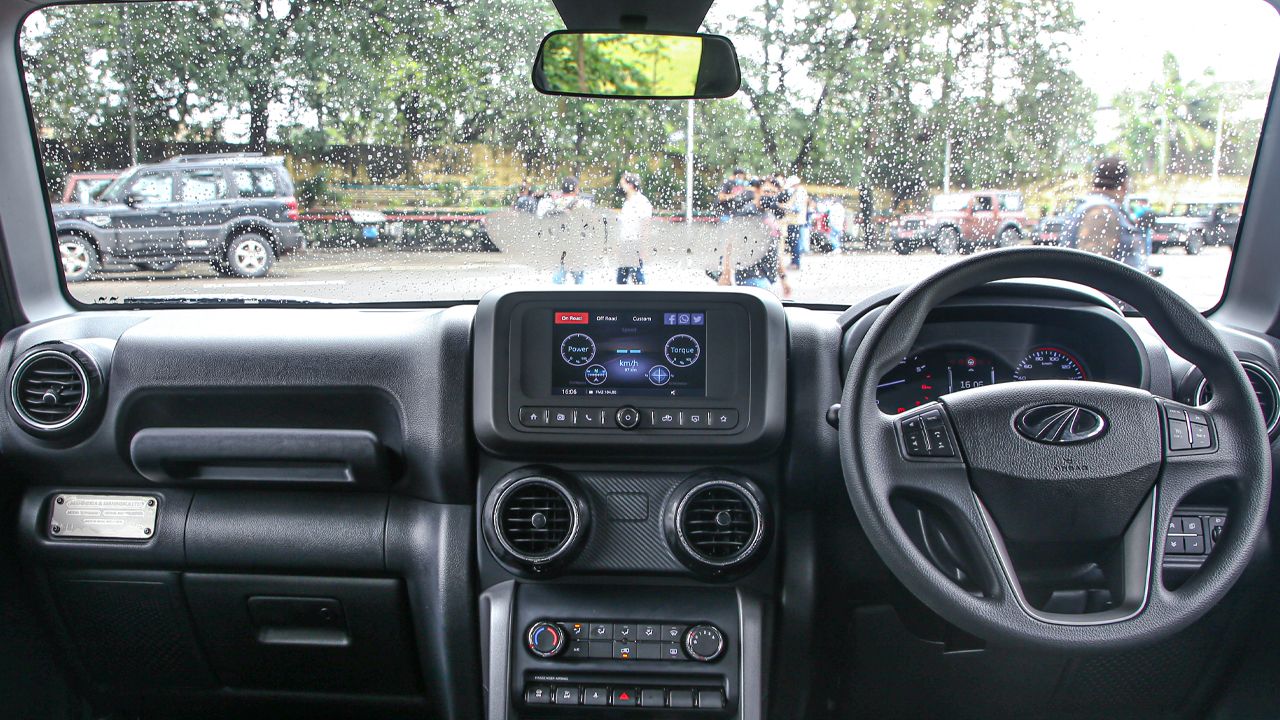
pixel 629 353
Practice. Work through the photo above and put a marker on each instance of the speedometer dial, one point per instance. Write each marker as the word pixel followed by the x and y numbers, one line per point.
pixel 1049 363
pixel 909 385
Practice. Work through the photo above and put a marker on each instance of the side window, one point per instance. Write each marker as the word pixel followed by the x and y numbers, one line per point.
pixel 202 185
pixel 153 188
pixel 982 203
pixel 254 182
pixel 1011 203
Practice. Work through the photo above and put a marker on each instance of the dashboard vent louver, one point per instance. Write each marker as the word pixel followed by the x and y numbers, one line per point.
pixel 535 519
pixel 718 522
pixel 51 390
pixel 535 522
pixel 1265 389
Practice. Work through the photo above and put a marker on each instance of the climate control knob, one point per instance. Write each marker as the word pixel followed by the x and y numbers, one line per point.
pixel 545 639
pixel 704 642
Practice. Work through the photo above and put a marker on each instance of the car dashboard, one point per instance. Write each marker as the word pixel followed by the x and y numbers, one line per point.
pixel 549 504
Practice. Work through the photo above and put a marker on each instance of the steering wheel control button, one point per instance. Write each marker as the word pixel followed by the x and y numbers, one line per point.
pixel 1179 435
pixel 546 639
pixel 1188 429
pixel 628 417
pixel 534 416
pixel 537 694
pixel 704 642
pixel 1193 545
pixel 913 438
pixel 935 432
pixel 1174 546
pixel 1201 438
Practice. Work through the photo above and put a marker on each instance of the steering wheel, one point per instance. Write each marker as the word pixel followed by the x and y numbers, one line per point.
pixel 1076 464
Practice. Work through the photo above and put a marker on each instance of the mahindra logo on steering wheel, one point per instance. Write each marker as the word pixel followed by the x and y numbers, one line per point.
pixel 1061 424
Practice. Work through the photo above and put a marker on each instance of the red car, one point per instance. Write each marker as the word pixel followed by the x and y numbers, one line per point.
pixel 963 222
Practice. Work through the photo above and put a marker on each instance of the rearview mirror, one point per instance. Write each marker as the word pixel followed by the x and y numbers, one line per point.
pixel 641 66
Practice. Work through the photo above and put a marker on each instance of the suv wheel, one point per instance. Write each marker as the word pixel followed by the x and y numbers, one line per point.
pixel 902 248
pixel 1195 243
pixel 249 255
pixel 1008 237
pixel 948 241
pixel 79 258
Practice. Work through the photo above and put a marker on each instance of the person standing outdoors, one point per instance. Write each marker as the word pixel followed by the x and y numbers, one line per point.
pixel 633 230
pixel 1100 225
pixel 566 202
pixel 835 223
pixel 796 218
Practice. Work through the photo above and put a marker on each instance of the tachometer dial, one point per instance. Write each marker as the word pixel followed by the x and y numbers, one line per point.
pixel 1049 363
pixel 909 385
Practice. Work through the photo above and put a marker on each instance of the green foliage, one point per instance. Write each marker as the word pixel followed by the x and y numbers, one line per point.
pixel 848 92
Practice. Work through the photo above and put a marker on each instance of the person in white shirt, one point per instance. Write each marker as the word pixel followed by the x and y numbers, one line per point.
pixel 835 223
pixel 633 230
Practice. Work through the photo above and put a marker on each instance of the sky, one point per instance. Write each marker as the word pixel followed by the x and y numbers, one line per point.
pixel 1123 41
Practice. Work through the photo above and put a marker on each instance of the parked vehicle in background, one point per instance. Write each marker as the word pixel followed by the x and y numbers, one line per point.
pixel 1048 230
pixel 83 187
pixel 1193 225
pixel 237 211
pixel 963 222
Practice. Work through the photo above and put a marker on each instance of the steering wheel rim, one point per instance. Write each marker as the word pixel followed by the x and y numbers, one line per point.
pixel 877 470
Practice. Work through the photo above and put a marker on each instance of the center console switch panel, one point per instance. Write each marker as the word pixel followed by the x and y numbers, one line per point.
pixel 591 651
pixel 574 370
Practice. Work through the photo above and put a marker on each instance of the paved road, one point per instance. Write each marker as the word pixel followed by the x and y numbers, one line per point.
pixel 380 274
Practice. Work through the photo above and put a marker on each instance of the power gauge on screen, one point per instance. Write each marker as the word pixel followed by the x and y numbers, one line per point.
pixel 682 350
pixel 578 349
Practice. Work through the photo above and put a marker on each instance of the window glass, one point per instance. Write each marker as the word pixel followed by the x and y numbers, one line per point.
pixel 202 185
pixel 153 188
pixel 862 130
pixel 254 182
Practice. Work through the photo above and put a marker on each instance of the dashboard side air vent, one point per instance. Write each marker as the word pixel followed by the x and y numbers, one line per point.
pixel 718 522
pixel 535 522
pixel 54 390
pixel 1265 389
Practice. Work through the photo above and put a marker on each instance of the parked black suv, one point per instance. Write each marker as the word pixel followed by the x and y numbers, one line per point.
pixel 1196 224
pixel 236 210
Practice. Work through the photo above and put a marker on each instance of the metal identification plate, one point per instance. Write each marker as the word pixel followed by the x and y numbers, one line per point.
pixel 112 517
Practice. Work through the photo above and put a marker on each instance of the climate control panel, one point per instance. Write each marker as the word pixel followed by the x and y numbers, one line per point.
pixel 625 640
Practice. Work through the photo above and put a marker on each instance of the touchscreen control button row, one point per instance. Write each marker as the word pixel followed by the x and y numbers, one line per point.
pixel 629 418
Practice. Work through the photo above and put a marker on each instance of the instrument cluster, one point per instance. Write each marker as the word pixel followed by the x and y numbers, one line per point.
pixel 936 371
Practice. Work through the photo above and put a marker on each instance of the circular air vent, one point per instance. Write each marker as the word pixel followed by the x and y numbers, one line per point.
pixel 718 521
pixel 535 522
pixel 53 388
pixel 1264 388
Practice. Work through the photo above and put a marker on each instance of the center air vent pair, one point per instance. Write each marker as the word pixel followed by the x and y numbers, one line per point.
pixel 715 522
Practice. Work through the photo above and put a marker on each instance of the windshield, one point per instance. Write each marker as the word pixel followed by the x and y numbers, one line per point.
pixel 403 155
